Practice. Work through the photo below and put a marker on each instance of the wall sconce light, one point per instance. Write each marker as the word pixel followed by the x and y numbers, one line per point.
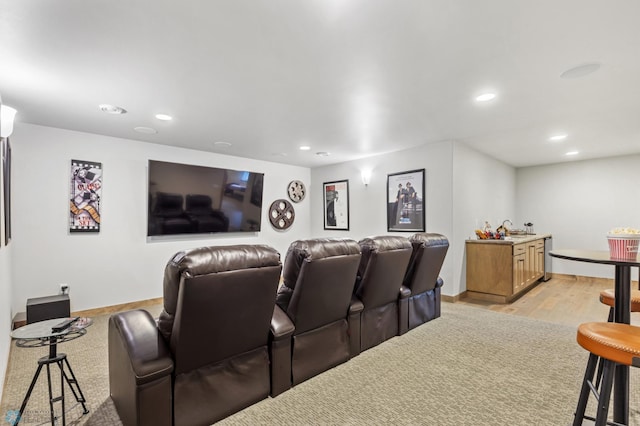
pixel 366 176
pixel 7 115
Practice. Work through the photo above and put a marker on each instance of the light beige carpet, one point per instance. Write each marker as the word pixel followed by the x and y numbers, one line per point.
pixel 469 367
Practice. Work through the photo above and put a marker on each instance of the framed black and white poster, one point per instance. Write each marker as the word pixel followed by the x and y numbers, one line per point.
pixel 86 191
pixel 336 205
pixel 405 201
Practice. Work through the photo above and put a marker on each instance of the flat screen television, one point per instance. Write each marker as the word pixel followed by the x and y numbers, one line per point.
pixel 189 199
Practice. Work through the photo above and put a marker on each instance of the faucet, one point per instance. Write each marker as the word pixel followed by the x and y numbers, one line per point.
pixel 502 228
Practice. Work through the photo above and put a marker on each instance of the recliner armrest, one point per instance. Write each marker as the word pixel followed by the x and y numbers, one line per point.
pixel 405 292
pixel 282 329
pixel 355 306
pixel 140 370
pixel 439 283
pixel 148 353
pixel 403 310
pixel 281 325
pixel 355 328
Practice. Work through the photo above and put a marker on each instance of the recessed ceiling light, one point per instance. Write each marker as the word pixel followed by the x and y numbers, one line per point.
pixel 112 109
pixel 323 154
pixel 145 130
pixel 570 153
pixel 164 117
pixel 581 70
pixel 558 137
pixel 485 97
pixel 305 148
pixel 222 144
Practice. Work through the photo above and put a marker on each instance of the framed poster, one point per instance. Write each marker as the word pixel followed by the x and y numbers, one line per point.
pixel 405 201
pixel 1 192
pixel 336 205
pixel 86 191
pixel 6 183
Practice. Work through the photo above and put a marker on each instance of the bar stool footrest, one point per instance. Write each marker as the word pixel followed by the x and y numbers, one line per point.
pixel 593 419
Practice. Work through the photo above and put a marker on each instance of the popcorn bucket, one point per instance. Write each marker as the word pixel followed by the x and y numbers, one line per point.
pixel 623 247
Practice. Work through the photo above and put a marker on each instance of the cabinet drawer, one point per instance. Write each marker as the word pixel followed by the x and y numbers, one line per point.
pixel 539 244
pixel 519 249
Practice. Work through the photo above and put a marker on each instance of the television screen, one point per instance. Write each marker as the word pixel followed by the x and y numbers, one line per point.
pixel 188 199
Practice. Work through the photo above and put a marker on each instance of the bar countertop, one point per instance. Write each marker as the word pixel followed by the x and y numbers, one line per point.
pixel 511 239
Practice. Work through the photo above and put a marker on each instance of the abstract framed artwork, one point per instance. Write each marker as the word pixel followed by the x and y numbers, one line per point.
pixel 405 201
pixel 336 205
pixel 86 193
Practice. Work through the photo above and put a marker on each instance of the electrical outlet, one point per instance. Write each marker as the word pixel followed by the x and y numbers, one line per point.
pixel 64 288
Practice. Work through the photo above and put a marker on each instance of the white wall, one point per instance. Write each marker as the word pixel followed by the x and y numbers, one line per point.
pixel 579 202
pixel 368 205
pixel 118 264
pixel 464 187
pixel 484 189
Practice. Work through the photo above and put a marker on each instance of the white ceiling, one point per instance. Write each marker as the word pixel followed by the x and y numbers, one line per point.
pixel 351 77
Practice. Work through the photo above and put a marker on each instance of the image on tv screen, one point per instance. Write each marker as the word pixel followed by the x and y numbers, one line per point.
pixel 189 199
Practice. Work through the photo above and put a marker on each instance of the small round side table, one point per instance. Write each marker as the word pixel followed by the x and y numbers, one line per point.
pixel 41 334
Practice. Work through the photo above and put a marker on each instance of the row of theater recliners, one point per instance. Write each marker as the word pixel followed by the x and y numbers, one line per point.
pixel 229 337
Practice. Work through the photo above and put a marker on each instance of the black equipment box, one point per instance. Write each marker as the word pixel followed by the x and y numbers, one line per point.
pixel 50 307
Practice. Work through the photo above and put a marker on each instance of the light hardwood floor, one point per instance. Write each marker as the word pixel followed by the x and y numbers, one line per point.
pixel 563 299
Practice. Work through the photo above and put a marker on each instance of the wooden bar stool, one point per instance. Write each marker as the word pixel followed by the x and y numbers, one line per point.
pixel 614 344
pixel 608 298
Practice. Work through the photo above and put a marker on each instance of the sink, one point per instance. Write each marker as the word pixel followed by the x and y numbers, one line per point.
pixel 517 237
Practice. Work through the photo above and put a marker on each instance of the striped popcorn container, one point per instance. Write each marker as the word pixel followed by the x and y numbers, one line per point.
pixel 623 246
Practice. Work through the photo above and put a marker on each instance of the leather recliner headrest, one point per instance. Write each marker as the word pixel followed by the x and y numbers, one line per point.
pixel 314 249
pixel 208 260
pixel 429 239
pixel 384 243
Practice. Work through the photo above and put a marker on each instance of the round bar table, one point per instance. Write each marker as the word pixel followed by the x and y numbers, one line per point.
pixel 40 334
pixel 622 314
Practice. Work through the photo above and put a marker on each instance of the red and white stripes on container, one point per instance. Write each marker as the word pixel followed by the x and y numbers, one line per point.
pixel 623 247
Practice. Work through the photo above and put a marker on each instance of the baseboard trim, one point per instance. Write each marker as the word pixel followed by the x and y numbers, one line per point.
pixel 117 308
pixel 453 299
pixel 20 318
pixel 600 280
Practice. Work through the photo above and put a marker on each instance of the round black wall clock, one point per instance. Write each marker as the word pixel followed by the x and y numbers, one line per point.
pixel 281 214
pixel 296 191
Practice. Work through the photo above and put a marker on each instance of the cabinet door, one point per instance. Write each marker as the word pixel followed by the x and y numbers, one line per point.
pixel 530 263
pixel 519 272
pixel 539 262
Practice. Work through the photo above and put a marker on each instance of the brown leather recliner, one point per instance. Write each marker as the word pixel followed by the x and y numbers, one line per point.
pixel 382 268
pixel 209 354
pixel 317 295
pixel 420 299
